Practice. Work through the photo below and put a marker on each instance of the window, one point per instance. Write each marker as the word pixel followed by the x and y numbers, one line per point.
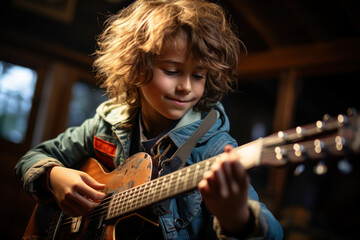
pixel 17 87
pixel 84 101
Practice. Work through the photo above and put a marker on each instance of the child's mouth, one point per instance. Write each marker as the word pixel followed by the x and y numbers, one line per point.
pixel 179 102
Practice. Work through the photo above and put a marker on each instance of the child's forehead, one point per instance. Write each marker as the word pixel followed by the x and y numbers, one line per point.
pixel 178 51
pixel 178 44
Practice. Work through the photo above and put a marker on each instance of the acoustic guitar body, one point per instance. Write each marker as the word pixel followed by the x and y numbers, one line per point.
pixel 49 222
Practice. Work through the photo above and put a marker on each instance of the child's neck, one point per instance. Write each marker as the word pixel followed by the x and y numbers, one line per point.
pixel 156 125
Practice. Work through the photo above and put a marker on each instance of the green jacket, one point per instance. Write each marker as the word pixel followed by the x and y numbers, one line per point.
pixel 187 217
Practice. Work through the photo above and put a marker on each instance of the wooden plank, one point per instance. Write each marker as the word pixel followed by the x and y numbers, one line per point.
pixel 285 106
pixel 248 10
pixel 302 58
pixel 47 50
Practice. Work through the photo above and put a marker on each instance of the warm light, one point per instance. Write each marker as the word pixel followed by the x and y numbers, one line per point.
pixel 298 149
pixel 320 125
pixel 339 141
pixel 318 146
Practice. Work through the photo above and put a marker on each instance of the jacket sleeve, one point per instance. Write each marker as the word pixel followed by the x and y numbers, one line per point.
pixel 265 225
pixel 67 149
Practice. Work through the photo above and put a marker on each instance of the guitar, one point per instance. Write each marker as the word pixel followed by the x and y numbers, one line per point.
pixel 129 187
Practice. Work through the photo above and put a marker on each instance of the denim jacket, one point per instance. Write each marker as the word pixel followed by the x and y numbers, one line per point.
pixel 107 137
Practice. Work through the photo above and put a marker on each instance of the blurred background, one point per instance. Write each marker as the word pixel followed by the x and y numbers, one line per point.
pixel 303 62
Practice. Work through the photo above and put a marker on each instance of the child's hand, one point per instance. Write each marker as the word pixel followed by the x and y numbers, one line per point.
pixel 75 191
pixel 225 191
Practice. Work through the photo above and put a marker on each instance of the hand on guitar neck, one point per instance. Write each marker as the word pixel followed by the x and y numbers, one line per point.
pixel 225 191
pixel 75 192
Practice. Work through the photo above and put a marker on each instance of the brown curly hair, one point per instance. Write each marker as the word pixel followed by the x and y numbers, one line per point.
pixel 133 39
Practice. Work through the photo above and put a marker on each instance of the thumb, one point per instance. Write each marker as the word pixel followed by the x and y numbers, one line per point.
pixel 91 182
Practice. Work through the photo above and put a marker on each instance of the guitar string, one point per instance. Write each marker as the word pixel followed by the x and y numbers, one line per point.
pixel 267 154
pixel 126 195
pixel 273 137
pixel 103 207
pixel 105 210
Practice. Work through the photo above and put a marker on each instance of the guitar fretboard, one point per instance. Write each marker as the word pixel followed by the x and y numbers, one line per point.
pixel 175 183
pixel 158 189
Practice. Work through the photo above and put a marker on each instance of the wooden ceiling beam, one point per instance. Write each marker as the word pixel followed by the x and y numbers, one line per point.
pixel 248 11
pixel 350 11
pixel 341 54
pixel 307 20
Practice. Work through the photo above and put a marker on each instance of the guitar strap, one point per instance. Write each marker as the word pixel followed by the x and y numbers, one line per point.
pixel 179 158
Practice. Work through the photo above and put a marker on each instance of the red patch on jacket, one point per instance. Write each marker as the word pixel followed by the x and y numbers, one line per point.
pixel 105 151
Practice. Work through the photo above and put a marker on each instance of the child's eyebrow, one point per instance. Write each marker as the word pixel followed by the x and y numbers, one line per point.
pixel 170 61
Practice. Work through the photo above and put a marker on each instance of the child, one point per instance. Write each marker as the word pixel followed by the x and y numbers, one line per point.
pixel 165 63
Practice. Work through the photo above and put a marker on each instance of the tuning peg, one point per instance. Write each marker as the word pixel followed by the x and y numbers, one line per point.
pixel 320 168
pixel 320 125
pixel 299 170
pixel 327 117
pixel 282 135
pixel 352 111
pixel 342 120
pixel 339 143
pixel 280 153
pixel 300 131
pixel 344 166
pixel 318 146
pixel 298 149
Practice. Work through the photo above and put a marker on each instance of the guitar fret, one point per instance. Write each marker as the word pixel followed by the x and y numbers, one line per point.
pixel 170 184
pixel 114 205
pixel 134 201
pixel 159 184
pixel 167 189
pixel 124 202
pixel 195 174
pixel 180 184
pixel 186 182
pixel 140 195
pixel 158 189
pixel 161 194
pixel 177 181
pixel 151 193
pixel 154 191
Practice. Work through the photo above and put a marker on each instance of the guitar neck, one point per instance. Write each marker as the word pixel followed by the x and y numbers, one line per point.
pixel 178 182
pixel 274 150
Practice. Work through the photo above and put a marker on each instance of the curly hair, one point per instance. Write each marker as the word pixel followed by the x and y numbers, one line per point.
pixel 133 38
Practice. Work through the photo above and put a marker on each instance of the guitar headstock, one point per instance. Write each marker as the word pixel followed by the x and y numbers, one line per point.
pixel 330 137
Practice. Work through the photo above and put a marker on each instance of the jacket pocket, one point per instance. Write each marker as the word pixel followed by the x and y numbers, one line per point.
pixel 105 151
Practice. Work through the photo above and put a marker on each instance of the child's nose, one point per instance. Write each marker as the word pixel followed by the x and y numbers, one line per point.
pixel 184 85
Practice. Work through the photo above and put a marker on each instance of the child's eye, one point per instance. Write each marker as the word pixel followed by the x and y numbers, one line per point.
pixel 170 72
pixel 198 77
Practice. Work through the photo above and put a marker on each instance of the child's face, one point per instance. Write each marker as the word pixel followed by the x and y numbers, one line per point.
pixel 177 85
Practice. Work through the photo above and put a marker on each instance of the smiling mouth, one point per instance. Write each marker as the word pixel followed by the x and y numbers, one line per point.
pixel 179 101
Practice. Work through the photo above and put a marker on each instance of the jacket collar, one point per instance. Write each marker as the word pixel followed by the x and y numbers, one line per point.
pixel 118 114
pixel 191 121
